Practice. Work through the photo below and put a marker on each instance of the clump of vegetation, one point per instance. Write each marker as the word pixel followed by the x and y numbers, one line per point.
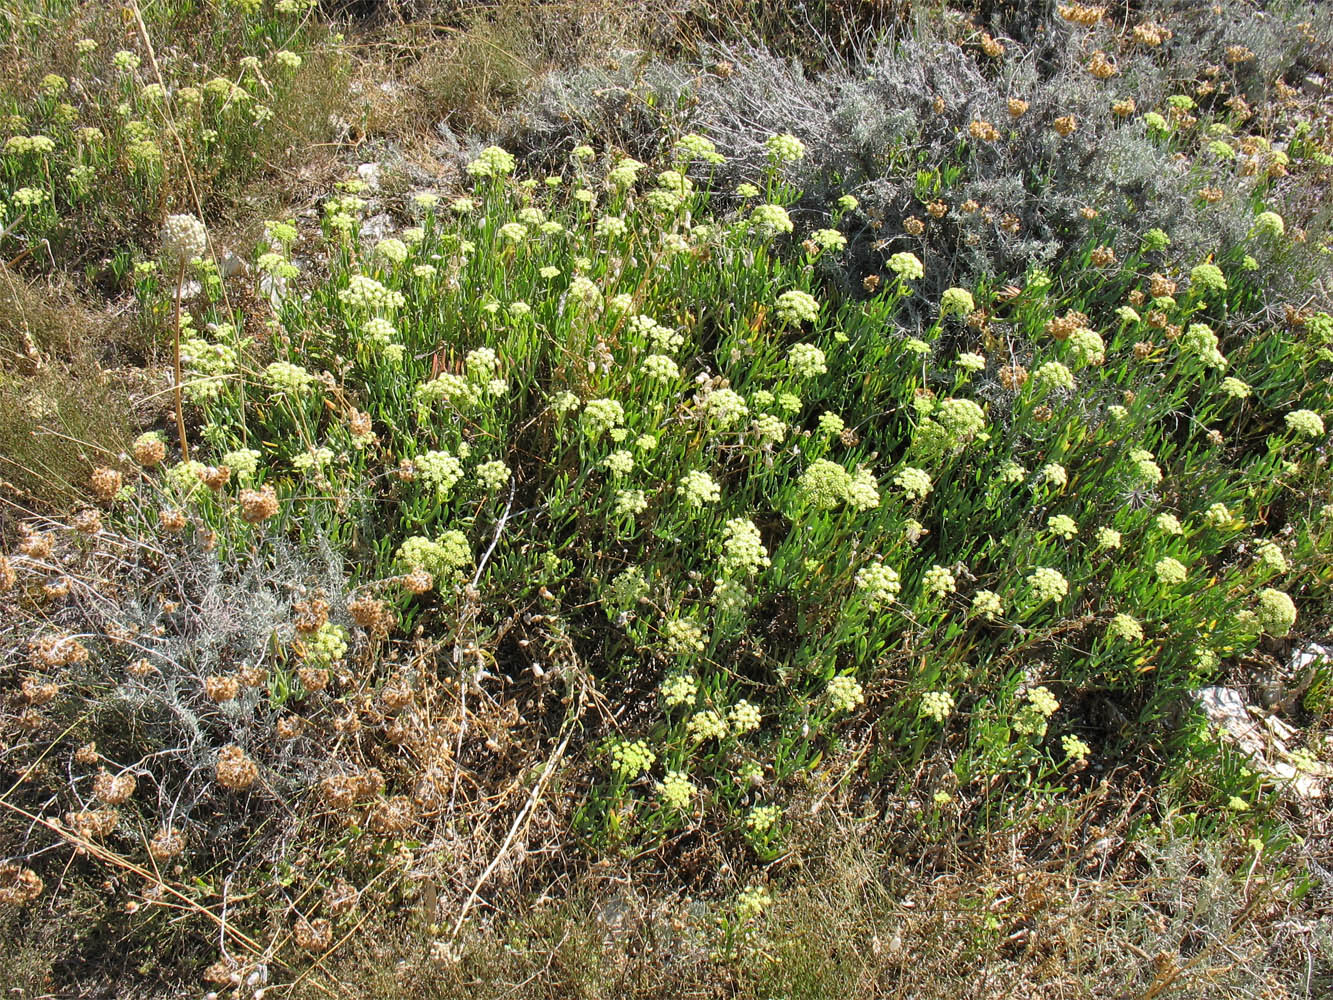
pixel 676 515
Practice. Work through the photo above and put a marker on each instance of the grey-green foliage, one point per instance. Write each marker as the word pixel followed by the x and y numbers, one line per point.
pixel 872 125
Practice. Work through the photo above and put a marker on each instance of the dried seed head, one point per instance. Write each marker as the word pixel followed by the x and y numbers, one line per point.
pixel 113 789
pixel 1103 256
pixel 149 450
pixel 7 575
pixel 88 522
pixel 1065 125
pixel 1013 377
pixel 234 769
pixel 18 885
pixel 1017 107
pixel 215 477
pixel 311 615
pixel 418 581
pixel 86 754
pixel 37 691
pixel 1101 66
pixel 56 589
pixel 106 483
pixel 258 505
pixel 252 676
pixel 290 727
pixel 373 615
pixel 140 668
pixel 37 544
pixel 313 678
pixel 221 687
pixel 870 283
pixel 166 844
pixel 914 226
pixel 393 815
pixel 313 935
pixel 90 823
pixel 341 897
pixel 173 520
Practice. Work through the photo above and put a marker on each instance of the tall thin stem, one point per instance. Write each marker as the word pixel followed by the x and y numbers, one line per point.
pixel 180 407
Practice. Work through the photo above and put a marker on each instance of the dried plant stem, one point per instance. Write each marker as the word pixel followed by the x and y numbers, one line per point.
pixel 176 342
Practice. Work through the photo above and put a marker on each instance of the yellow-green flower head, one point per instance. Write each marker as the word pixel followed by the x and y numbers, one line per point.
pixel 1010 472
pixel 1276 612
pixel 1155 240
pixel 829 239
pixel 620 462
pixel 492 162
pixel 442 557
pixel 1146 471
pixel 785 148
pixel 696 147
pixel 699 488
pixel 363 292
pixel 970 361
pixel 746 190
pixel 243 462
pixel 624 173
pixel 683 636
pixel 628 503
pixel 915 483
pixel 287 59
pixel 1127 314
pixel 830 423
pixel 1108 538
pixel 85 45
pixel 938 581
pixel 600 415
pixel 844 693
pixel 287 377
pixel 908 266
pixel 824 484
pixel 1200 341
pixel 610 226
pixel 744 717
pixel 630 759
pixel 126 61
pixel 963 419
pixel 1125 628
pixel 706 725
pixel 679 689
pixel 1048 584
pixel 987 604
pixel 1062 526
pixel 937 705
pixel 1270 556
pixel 1208 278
pixel 1235 388
pixel 492 475
pixel 725 406
pixel 795 306
pixel 1054 375
pixel 879 584
pixel 768 427
pixel 956 301
pixel 1086 347
pixel 392 250
pixel 761 818
pixel 1168 524
pixel 743 550
pixel 1074 748
pixel 326 647
pixel 676 790
pixel 806 360
pixel 751 902
pixel 863 490
pixel 1170 570
pixel 581 153
pixel 439 470
pixel 183 238
pixel 771 219
pixel 1305 422
pixel 660 367
pixel 1269 224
